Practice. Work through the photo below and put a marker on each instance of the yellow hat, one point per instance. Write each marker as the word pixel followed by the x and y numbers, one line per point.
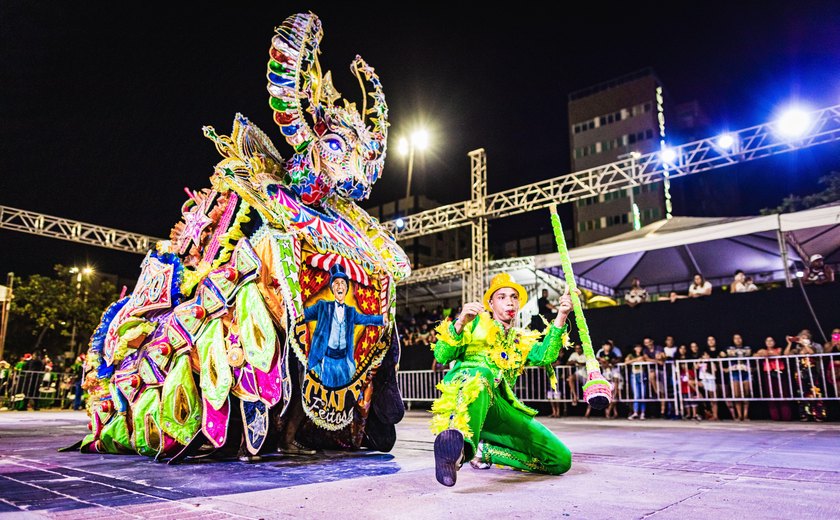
pixel 504 280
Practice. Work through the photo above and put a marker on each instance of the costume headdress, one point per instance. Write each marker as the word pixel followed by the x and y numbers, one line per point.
pixel 339 151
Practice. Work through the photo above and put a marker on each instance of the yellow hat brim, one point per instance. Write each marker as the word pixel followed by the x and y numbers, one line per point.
pixel 510 284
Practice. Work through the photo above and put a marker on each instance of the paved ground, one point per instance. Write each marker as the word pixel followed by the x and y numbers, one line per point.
pixel 622 469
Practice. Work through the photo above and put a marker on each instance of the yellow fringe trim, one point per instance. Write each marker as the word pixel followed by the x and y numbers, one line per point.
pixel 450 409
pixel 192 277
pixel 445 333
pixel 233 235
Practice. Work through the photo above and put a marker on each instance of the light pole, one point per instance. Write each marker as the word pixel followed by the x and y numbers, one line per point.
pixel 419 140
pixel 634 208
pixel 5 312
pixel 87 271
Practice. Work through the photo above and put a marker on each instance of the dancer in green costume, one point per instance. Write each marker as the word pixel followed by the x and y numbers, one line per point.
pixel 478 417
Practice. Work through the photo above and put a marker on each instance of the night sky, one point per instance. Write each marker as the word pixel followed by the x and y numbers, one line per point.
pixel 101 105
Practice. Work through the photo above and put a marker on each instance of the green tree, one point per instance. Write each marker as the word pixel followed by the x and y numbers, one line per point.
pixel 47 309
pixel 831 193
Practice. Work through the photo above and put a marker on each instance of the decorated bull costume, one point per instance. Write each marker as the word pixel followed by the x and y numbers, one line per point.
pixel 221 344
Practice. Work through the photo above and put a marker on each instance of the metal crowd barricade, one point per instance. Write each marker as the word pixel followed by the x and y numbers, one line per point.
pixel 798 377
pixel 644 382
pixel 794 378
pixel 22 389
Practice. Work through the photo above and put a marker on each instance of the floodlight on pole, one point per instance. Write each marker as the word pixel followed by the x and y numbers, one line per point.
pixel 419 140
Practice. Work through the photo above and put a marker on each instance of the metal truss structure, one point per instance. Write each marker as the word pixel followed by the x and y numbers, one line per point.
pixel 706 154
pixel 748 144
pixel 74 231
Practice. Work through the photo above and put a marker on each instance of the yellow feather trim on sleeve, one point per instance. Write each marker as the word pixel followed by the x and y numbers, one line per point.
pixel 446 333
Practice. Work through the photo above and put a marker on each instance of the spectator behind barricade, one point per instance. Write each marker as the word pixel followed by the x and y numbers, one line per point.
pixel 739 374
pixel 637 294
pixel 422 315
pixel 674 296
pixel 670 350
pixel 818 272
pixel 688 381
pixel 833 363
pixel 656 370
pixel 720 375
pixel 5 379
pixel 437 314
pixel 805 338
pixel 808 378
pixel 421 339
pixel 739 282
pixel 699 287
pixel 609 357
pixel 775 376
pixel 33 380
pixel 707 382
pixel 578 376
pixel 638 380
pixel 750 286
pixel 608 349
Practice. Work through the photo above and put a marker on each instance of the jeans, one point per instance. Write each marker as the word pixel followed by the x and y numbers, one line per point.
pixel 639 382
pixel 77 394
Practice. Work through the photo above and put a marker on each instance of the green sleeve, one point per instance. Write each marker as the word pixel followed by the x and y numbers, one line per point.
pixel 545 352
pixel 451 345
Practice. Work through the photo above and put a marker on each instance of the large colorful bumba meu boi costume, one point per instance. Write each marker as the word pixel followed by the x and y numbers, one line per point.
pixel 268 313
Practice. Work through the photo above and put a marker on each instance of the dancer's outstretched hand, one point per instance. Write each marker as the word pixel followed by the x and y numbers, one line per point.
pixel 468 313
pixel 564 307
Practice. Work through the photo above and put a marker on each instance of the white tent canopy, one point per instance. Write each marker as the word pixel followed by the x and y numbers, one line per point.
pixel 664 255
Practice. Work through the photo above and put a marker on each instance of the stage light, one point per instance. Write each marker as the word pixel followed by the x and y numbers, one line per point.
pixel 668 155
pixel 794 122
pixel 400 223
pixel 725 141
pixel 799 274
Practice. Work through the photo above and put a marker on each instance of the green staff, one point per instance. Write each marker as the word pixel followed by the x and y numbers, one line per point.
pixel 597 391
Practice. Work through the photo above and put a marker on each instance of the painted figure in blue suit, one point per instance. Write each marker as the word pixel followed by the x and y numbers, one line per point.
pixel 331 354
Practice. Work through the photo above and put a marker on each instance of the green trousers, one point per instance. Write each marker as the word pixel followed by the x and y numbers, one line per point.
pixel 513 438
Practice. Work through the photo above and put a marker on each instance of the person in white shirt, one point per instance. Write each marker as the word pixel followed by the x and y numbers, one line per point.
pixel 700 287
pixel 739 284
pixel 579 376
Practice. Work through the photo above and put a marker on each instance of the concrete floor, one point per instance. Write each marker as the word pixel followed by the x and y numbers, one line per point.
pixel 622 469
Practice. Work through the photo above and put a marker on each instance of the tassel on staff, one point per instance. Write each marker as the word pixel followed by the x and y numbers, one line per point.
pixel 597 391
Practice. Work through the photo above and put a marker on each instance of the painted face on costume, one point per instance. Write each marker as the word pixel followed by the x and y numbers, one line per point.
pixel 505 304
pixel 339 289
